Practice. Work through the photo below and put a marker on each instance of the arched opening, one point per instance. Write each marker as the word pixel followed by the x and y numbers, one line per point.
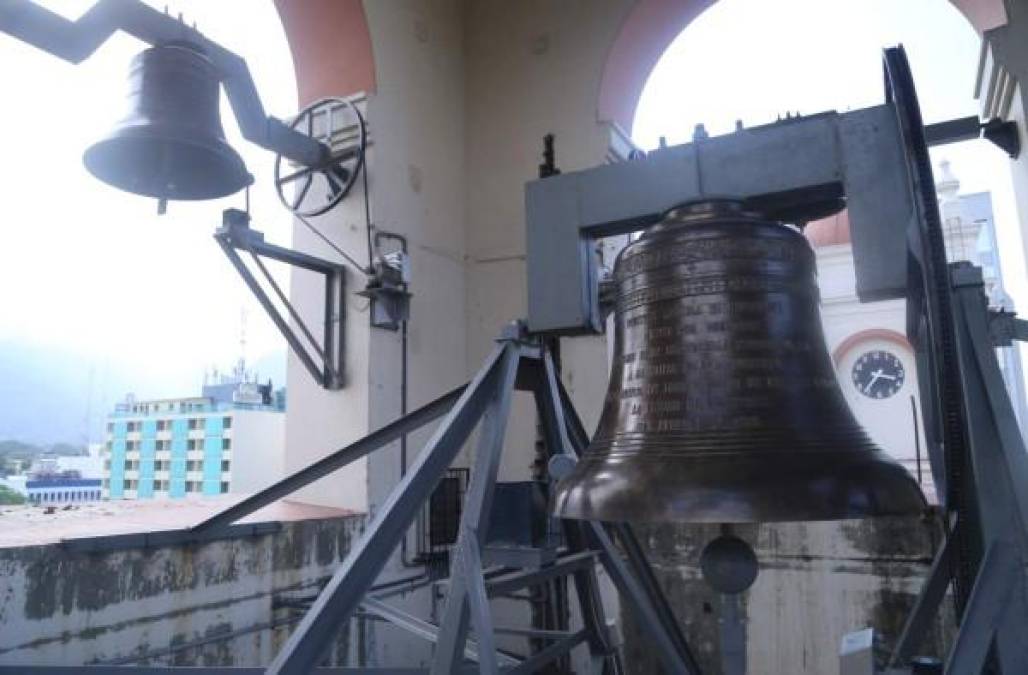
pixel 331 47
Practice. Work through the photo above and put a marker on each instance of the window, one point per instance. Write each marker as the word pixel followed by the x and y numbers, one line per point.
pixel 191 444
pixel 226 444
pixel 110 446
pixel 110 427
pixel 225 464
pixel 161 425
pixel 194 423
pixel 224 486
pixel 194 465
pixel 226 422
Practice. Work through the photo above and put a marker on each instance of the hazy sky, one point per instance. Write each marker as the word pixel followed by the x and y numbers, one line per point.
pixel 754 60
pixel 87 268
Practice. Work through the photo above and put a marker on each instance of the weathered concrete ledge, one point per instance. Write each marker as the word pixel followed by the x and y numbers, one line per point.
pixel 210 603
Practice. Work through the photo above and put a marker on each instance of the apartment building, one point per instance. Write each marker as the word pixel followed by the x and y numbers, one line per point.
pixel 228 439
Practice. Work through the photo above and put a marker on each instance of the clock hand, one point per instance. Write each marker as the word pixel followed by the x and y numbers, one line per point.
pixel 874 378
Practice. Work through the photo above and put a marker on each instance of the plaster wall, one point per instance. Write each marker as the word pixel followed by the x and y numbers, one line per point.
pixel 532 68
pixel 415 169
pixel 418 191
pixel 257 442
pixel 60 607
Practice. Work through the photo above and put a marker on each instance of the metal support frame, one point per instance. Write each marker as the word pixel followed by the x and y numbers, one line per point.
pixel 857 154
pixel 990 623
pixel 484 402
pixel 75 41
pixel 235 235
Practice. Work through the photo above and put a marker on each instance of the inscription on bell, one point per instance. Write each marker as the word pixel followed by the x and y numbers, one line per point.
pixel 704 350
pixel 709 249
pixel 723 404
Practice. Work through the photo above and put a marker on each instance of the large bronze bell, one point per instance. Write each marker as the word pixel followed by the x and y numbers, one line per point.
pixel 723 405
pixel 170 144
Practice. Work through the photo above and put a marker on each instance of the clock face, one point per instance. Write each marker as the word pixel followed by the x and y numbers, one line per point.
pixel 878 374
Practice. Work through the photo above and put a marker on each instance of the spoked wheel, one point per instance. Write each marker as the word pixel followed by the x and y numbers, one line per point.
pixel 320 188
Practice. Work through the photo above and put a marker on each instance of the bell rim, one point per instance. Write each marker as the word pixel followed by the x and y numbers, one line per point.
pixel 229 163
pixel 826 486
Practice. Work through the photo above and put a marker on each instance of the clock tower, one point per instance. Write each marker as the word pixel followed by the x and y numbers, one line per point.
pixel 874 362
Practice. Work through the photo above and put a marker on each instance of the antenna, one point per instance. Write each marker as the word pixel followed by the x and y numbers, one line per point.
pixel 241 367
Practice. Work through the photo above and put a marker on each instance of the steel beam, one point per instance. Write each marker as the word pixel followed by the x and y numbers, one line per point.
pixel 520 579
pixel 549 653
pixel 557 428
pixel 463 599
pixel 1000 578
pixel 635 579
pixel 348 585
pixel 997 466
pixel 635 593
pixel 338 459
pixel 423 629
pixel 477 600
pixel 1009 461
pixel 927 605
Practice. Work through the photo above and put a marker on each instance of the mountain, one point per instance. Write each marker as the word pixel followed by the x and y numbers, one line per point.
pixel 51 395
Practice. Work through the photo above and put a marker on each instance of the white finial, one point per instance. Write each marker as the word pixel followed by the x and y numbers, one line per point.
pixel 947 185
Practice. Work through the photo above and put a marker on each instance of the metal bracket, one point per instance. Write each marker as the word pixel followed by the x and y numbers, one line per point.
pixel 235 235
pixel 1001 134
pixel 1005 327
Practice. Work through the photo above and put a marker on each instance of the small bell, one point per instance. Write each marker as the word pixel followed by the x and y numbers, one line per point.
pixel 170 144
